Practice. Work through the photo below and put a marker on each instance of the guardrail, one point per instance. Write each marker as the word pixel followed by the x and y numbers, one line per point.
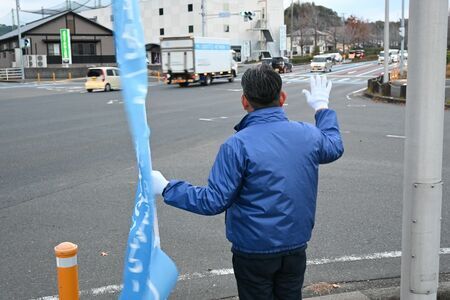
pixel 10 74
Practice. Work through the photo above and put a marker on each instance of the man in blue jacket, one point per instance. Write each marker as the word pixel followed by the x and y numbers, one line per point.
pixel 265 179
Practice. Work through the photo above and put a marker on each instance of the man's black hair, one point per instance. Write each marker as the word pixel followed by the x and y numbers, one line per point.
pixel 262 86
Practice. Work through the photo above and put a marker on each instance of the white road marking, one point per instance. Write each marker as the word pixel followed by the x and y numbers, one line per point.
pixel 116 288
pixel 396 136
pixel 351 72
pixel 355 92
pixel 234 90
pixel 369 72
pixel 212 119
pixel 356 105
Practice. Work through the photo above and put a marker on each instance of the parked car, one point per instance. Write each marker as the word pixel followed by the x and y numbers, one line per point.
pixel 281 64
pixel 356 54
pixel 321 63
pixel 102 78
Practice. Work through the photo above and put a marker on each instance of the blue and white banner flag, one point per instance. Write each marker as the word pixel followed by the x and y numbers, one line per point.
pixel 148 273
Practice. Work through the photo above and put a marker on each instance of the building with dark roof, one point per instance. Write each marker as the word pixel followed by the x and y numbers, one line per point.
pixel 91 43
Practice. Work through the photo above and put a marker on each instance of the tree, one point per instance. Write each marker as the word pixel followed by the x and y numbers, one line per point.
pixel 6 28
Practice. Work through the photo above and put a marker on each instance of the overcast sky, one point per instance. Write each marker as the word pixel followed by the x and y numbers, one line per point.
pixel 372 10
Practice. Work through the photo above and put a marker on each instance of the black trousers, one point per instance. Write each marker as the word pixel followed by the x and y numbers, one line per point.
pixel 270 277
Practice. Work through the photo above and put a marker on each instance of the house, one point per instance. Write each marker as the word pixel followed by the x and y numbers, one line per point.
pixel 304 41
pixel 91 43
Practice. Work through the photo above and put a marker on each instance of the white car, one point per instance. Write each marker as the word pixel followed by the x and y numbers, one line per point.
pixel 395 54
pixel 321 63
pixel 381 58
pixel 102 78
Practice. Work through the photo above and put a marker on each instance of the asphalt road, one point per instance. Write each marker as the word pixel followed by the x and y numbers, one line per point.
pixel 67 173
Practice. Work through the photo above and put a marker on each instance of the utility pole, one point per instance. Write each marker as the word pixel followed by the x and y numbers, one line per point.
pixel 343 36
pixel 292 28
pixel 20 40
pixel 386 42
pixel 424 129
pixel 402 32
pixel 203 18
pixel 13 21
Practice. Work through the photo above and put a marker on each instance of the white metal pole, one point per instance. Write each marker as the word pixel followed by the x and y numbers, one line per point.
pixel 292 27
pixel 386 42
pixel 203 18
pixel 424 129
pixel 20 39
pixel 402 49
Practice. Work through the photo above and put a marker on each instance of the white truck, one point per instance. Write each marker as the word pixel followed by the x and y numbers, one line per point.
pixel 188 60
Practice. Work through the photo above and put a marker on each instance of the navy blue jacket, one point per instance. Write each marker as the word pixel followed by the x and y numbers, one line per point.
pixel 265 178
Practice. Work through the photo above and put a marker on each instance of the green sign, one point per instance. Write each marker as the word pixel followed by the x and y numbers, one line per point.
pixel 66 53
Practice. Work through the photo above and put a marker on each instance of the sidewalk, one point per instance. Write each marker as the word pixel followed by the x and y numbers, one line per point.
pixel 368 290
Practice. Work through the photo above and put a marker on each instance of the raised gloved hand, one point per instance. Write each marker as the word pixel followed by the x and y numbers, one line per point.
pixel 159 182
pixel 320 92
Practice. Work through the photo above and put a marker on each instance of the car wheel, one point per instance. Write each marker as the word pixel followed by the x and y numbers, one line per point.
pixel 89 90
pixel 207 80
pixel 107 87
pixel 231 79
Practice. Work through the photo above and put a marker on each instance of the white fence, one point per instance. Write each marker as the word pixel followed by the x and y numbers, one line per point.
pixel 10 74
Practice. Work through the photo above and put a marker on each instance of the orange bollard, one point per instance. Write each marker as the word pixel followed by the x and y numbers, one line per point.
pixel 53 76
pixel 70 76
pixel 67 269
pixel 159 76
pixel 39 77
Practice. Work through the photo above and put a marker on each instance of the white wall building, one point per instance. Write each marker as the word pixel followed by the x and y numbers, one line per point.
pixel 184 17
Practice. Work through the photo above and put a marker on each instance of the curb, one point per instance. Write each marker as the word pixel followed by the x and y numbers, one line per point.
pixel 391 99
pixel 376 289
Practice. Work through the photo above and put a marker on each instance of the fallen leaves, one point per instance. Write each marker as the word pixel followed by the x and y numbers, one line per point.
pixel 322 288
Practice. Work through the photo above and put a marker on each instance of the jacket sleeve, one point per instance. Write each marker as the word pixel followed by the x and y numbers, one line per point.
pixel 330 141
pixel 224 183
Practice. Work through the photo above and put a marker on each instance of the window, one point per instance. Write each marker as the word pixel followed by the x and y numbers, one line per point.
pixel 53 49
pixel 109 72
pixel 161 31
pixel 161 11
pixel 191 28
pixel 116 73
pixel 95 73
pixel 226 28
pixel 84 49
pixel 190 7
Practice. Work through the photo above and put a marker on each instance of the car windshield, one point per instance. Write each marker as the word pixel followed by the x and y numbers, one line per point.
pixel 94 73
pixel 277 59
pixel 319 59
pixel 381 54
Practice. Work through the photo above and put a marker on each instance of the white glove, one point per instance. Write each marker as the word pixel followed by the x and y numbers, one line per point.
pixel 159 182
pixel 320 92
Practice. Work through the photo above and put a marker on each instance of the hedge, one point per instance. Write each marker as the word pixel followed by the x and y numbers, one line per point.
pixel 301 59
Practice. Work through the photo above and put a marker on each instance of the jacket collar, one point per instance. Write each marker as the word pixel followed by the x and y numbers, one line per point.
pixel 261 116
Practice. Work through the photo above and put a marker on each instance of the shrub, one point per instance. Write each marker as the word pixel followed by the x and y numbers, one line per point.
pixel 301 59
